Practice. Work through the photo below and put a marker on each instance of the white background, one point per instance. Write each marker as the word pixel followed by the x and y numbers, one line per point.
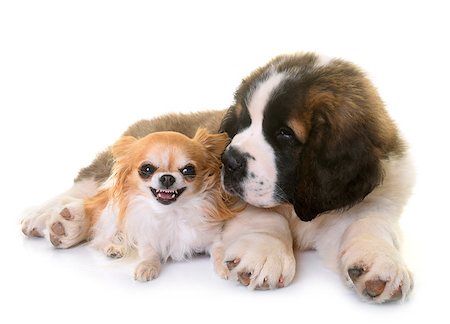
pixel 74 75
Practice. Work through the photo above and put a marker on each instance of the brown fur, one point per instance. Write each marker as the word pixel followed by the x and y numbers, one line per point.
pixel 187 124
pixel 343 129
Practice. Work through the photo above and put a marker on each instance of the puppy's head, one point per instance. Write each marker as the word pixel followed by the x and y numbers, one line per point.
pixel 307 131
pixel 167 168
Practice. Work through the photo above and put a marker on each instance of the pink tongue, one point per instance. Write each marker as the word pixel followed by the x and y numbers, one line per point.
pixel 165 195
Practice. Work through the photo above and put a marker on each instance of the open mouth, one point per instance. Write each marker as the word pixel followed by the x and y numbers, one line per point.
pixel 165 196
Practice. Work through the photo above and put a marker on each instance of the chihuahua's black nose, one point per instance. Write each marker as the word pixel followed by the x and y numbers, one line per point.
pixel 167 180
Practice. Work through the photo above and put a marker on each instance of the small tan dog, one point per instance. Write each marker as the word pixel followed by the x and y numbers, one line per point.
pixel 163 199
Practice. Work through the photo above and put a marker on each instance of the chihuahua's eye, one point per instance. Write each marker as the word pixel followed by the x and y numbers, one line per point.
pixel 146 170
pixel 188 170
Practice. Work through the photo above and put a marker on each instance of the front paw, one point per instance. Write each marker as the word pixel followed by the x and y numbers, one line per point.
pixel 379 278
pixel 260 261
pixel 115 251
pixel 146 271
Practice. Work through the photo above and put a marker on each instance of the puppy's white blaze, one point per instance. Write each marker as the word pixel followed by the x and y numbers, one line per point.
pixel 261 96
pixel 259 185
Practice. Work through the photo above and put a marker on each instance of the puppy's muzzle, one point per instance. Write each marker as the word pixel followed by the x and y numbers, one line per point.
pixel 234 170
pixel 234 161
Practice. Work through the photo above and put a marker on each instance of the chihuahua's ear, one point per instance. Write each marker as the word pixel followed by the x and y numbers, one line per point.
pixel 122 146
pixel 214 143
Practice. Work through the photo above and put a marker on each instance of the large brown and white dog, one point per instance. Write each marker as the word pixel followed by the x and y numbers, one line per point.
pixel 312 141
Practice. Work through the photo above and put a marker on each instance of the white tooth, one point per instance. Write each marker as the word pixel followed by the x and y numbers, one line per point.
pixel 176 192
pixel 173 196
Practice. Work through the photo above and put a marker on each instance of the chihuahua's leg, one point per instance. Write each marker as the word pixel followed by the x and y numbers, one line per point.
pixel 150 265
pixel 67 209
pixel 217 253
pixel 117 247
pixel 68 226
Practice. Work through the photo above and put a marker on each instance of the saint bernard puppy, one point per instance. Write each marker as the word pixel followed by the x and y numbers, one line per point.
pixel 315 151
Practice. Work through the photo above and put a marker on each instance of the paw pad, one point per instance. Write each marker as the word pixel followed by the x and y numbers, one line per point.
pixel 375 288
pixel 65 213
pixel 58 229
pixel 244 278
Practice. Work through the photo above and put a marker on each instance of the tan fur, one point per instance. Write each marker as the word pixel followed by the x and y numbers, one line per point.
pixel 93 206
pixel 299 127
pixel 130 152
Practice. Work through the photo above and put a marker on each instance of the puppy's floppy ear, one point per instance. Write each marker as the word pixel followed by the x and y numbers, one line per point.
pixel 339 164
pixel 229 123
pixel 214 143
pixel 122 146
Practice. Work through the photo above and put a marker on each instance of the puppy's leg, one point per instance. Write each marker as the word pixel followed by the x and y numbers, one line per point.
pixel 150 265
pixel 370 260
pixel 365 251
pixel 258 249
pixel 65 210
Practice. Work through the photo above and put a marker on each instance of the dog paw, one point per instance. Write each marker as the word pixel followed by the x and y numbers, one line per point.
pixel 34 222
pixel 146 271
pixel 115 251
pixel 260 262
pixel 379 280
pixel 68 225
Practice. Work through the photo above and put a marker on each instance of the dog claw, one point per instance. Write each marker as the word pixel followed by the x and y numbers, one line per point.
pixel 355 272
pixel 280 283
pixel 264 285
pixel 232 264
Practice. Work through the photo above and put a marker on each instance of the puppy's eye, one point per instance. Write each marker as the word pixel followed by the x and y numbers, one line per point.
pixel 188 170
pixel 146 170
pixel 285 135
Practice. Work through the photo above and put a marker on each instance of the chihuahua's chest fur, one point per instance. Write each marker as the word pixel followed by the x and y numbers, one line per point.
pixel 176 232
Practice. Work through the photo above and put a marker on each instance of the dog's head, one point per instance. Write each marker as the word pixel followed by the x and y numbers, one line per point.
pixel 168 168
pixel 309 132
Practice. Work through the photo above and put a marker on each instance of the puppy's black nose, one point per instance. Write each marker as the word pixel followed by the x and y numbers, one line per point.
pixel 167 180
pixel 233 160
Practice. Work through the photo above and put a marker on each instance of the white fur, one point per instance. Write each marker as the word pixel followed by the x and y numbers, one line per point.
pixel 159 232
pixel 42 217
pixel 261 240
pixel 259 186
pixel 323 60
pixel 177 231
